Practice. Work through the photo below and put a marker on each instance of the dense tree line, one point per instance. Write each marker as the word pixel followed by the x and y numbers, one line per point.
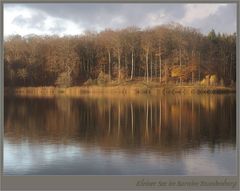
pixel 165 54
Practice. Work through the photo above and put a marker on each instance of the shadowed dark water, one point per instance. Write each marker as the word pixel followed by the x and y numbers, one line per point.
pixel 180 135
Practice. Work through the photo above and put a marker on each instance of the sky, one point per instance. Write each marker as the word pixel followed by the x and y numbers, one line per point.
pixel 74 19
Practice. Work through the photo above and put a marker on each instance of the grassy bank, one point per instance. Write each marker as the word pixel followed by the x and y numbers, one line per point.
pixel 124 88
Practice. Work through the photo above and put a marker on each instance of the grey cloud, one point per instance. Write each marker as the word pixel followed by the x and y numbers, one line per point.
pixel 57 28
pixel 115 15
pixel 224 21
pixel 36 21
pixel 105 15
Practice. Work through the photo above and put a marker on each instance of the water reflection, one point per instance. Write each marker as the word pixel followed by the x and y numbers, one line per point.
pixel 189 135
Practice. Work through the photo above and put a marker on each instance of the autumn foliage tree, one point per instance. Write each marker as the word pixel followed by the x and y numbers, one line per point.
pixel 165 54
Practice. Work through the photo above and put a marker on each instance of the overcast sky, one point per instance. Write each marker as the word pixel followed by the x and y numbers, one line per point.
pixel 72 19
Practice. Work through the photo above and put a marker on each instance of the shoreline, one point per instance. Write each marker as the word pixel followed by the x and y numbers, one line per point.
pixel 118 89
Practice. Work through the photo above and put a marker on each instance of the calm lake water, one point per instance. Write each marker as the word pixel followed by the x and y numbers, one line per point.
pixel 144 135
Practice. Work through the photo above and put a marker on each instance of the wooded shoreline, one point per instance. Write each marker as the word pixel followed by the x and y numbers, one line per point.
pixel 167 54
pixel 123 90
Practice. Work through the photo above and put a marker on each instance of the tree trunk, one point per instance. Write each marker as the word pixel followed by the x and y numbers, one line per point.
pixel 151 67
pixel 160 65
pixel 155 67
pixel 166 73
pixel 132 67
pixel 193 66
pixel 230 68
pixel 192 77
pixel 126 63
pixel 180 67
pixel 199 69
pixel 151 116
pixel 109 64
pixel 147 65
pixel 119 66
pixel 180 115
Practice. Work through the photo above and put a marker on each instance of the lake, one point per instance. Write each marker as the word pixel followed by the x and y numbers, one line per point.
pixel 120 135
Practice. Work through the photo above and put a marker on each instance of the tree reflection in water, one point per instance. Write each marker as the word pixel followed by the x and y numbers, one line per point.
pixel 165 125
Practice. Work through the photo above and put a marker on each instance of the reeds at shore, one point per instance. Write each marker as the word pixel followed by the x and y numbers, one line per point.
pixel 50 91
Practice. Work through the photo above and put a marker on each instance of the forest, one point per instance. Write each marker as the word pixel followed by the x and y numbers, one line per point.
pixel 165 54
